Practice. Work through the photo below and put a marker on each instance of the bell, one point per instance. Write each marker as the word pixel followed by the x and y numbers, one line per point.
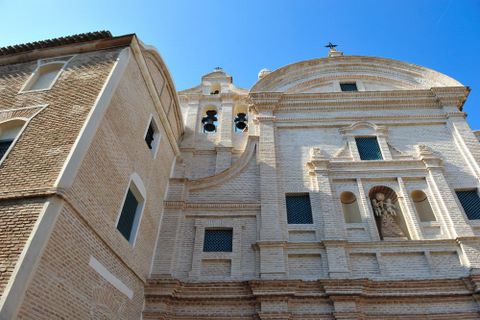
pixel 209 121
pixel 241 121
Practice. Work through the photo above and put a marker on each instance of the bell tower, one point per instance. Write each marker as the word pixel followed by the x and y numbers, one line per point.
pixel 217 122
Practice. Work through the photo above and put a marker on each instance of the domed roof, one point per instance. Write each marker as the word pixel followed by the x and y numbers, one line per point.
pixel 319 75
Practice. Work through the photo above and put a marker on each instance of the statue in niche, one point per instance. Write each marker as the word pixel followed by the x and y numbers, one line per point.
pixel 386 212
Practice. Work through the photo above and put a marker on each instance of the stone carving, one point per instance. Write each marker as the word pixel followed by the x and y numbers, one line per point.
pixel 386 212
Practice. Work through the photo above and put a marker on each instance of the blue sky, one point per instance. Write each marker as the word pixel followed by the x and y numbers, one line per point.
pixel 245 36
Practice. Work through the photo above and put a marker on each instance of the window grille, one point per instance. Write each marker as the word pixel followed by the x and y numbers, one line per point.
pixel 4 145
pixel 470 203
pixel 348 86
pixel 299 210
pixel 218 240
pixel 368 148
pixel 127 217
pixel 149 137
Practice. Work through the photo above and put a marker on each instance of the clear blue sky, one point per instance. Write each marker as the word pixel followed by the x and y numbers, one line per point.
pixel 245 36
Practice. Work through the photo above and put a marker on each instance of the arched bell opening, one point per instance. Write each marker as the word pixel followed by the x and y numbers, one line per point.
pixel 240 119
pixel 209 120
pixel 351 211
pixel 215 88
pixel 422 206
pixel 388 214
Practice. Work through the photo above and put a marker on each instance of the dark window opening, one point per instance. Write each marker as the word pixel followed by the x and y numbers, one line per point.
pixel 150 136
pixel 351 86
pixel 210 121
pixel 215 92
pixel 4 145
pixel 127 217
pixel 299 210
pixel 218 240
pixel 368 148
pixel 470 202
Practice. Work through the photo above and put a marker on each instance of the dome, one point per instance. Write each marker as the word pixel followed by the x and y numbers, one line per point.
pixel 373 74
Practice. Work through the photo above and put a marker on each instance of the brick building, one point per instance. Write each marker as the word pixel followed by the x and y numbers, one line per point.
pixel 342 187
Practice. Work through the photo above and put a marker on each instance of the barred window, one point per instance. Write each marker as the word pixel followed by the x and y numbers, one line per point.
pixel 368 148
pixel 349 86
pixel 470 202
pixel 218 240
pixel 299 210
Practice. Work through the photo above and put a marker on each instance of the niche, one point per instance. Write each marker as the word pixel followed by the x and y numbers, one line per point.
pixel 422 206
pixel 388 214
pixel 351 211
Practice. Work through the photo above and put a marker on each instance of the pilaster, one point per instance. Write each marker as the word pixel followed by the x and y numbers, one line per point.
pixel 272 239
pixel 409 214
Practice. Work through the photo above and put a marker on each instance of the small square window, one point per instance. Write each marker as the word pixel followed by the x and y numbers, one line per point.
pixel 470 202
pixel 218 240
pixel 348 86
pixel 152 138
pixel 368 148
pixel 299 210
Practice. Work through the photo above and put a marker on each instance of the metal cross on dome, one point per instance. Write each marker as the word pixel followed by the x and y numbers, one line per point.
pixel 331 46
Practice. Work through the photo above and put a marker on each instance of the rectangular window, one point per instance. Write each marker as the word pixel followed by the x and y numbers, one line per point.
pixel 150 136
pixel 299 210
pixel 368 148
pixel 4 145
pixel 350 86
pixel 470 203
pixel 129 216
pixel 218 240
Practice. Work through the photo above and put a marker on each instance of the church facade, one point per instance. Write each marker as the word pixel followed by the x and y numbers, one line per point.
pixel 343 187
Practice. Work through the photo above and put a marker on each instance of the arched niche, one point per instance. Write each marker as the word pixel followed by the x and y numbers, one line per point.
pixel 350 208
pixel 388 214
pixel 45 76
pixel 215 88
pixel 422 206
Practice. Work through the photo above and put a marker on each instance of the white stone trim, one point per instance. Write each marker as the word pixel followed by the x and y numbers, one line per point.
pixel 29 259
pixel 110 277
pixel 80 147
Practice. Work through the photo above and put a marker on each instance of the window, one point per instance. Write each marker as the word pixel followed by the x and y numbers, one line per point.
pixel 215 88
pixel 130 214
pixel 423 207
pixel 44 77
pixel 350 208
pixel 299 210
pixel 210 121
pixel 348 86
pixel 8 133
pixel 368 148
pixel 470 203
pixel 152 137
pixel 218 240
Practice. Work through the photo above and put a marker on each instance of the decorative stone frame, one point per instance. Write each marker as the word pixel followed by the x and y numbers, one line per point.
pixel 366 129
pixel 41 64
pixel 235 256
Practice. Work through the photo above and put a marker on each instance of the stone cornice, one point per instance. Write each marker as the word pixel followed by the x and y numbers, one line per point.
pixel 451 96
pixel 211 206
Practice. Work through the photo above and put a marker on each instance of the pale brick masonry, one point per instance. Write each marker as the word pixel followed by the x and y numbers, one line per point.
pixel 83 147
